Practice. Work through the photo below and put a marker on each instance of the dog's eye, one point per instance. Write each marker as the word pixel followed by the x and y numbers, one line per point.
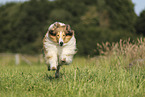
pixel 57 35
pixel 63 35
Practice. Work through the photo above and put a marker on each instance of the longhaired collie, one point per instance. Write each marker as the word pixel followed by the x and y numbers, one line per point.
pixel 59 46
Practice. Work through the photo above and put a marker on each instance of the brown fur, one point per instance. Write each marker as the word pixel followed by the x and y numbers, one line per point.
pixel 67 33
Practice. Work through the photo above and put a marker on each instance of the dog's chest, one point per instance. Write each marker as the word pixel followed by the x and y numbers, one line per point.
pixel 59 50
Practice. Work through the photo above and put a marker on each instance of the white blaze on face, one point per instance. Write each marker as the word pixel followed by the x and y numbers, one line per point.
pixel 61 39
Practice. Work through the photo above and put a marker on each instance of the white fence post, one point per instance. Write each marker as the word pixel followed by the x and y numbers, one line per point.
pixel 17 59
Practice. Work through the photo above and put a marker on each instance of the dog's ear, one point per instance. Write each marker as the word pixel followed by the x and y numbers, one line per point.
pixel 56 25
pixel 51 32
pixel 68 27
pixel 70 33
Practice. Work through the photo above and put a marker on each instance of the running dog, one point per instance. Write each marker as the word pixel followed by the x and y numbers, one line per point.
pixel 59 46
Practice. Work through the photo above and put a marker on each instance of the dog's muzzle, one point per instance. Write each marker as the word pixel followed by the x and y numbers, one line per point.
pixel 61 43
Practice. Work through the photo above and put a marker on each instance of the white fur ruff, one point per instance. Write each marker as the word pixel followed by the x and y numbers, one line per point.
pixel 55 53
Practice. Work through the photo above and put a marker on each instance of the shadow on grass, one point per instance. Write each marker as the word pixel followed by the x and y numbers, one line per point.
pixel 52 77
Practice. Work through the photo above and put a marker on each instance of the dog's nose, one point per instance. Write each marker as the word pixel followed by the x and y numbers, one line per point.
pixel 61 43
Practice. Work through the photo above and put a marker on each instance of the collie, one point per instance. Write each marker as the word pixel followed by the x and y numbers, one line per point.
pixel 59 46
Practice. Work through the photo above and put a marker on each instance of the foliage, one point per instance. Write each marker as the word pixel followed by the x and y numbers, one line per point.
pixel 140 24
pixel 121 14
pixel 23 25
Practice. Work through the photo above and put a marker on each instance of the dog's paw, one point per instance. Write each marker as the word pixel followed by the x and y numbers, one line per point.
pixel 53 68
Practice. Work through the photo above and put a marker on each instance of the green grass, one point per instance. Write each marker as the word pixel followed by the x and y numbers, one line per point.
pixel 102 77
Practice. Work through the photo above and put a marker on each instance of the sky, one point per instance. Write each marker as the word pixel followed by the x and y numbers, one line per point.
pixel 139 4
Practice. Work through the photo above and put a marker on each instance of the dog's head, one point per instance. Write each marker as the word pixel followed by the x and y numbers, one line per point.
pixel 60 33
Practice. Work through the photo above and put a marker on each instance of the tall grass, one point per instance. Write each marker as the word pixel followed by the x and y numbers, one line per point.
pixel 130 51
pixel 104 76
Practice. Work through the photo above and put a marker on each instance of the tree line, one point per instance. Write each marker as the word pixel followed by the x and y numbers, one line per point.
pixel 23 25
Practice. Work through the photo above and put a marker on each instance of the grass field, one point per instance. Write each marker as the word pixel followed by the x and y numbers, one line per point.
pixel 101 77
pixel 104 76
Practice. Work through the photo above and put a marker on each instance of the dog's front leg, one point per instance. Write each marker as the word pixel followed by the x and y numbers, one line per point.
pixel 66 59
pixel 57 71
pixel 51 61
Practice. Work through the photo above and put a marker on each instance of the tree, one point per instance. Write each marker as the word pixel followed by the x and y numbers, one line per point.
pixel 122 15
pixel 140 23
pixel 23 25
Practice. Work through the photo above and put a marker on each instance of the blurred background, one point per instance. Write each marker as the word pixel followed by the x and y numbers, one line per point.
pixel 23 23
